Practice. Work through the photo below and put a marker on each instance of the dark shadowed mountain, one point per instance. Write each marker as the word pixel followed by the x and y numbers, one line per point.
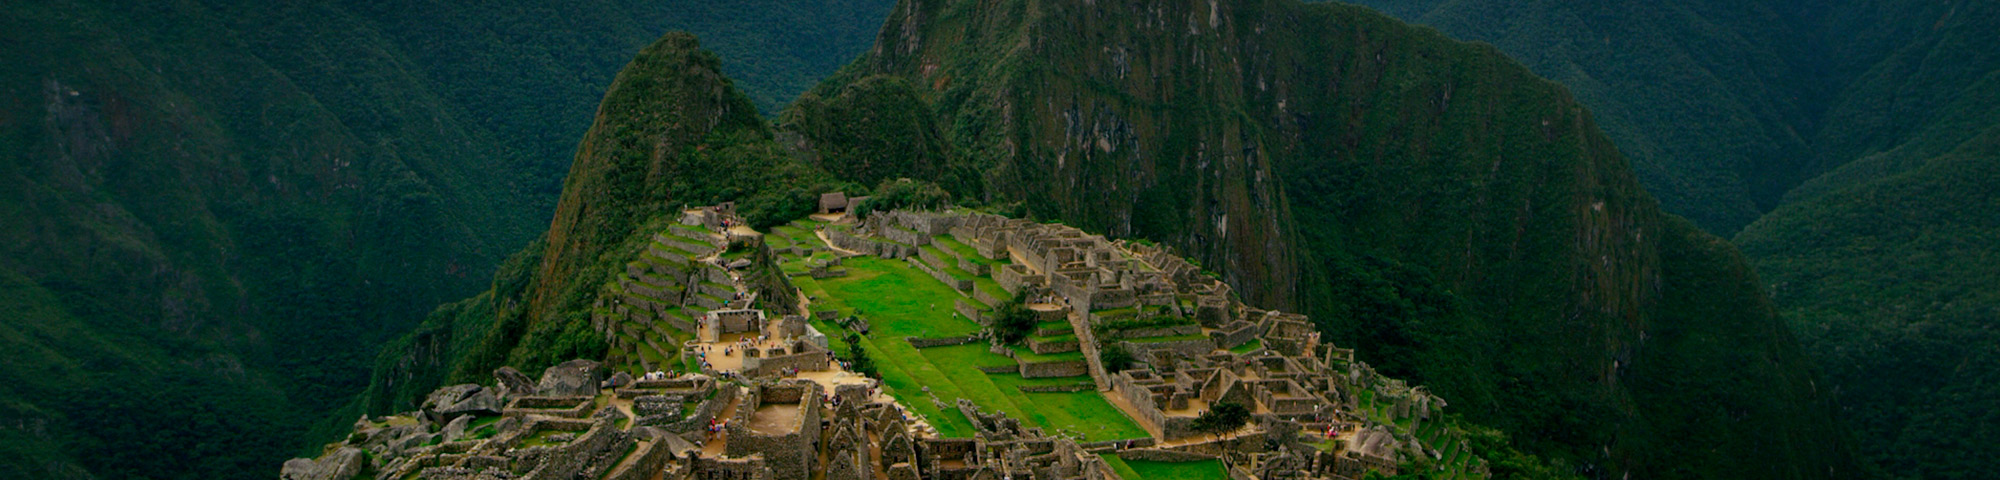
pixel 1860 133
pixel 216 210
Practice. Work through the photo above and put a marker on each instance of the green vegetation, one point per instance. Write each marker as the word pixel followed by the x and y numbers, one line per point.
pixel 895 298
pixel 1013 322
pixel 904 193
pixel 1126 321
pixel 857 358
pixel 1114 357
pixel 1848 137
pixel 248 199
pixel 899 300
pixel 1199 470
pixel 1435 187
pixel 1222 417
pixel 1152 470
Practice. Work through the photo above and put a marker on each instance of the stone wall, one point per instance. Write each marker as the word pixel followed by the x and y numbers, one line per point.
pixel 1250 443
pixel 577 456
pixel 1012 277
pixel 682 242
pixel 975 268
pixel 790 456
pixel 987 298
pixel 707 468
pixel 1045 347
pixel 1193 348
pixel 1054 369
pixel 707 303
pixel 807 361
pixel 696 419
pixel 1243 333
pixel 972 312
pixel 929 223
pixel 1158 455
pixel 1167 331
pixel 955 283
pixel 905 237
pixel 653 457
pixel 1105 299
pixel 562 407
pixel 1000 369
pixel 1141 399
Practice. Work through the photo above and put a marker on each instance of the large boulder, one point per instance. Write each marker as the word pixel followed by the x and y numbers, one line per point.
pixel 342 464
pixel 449 403
pixel 619 380
pixel 574 378
pixel 457 428
pixel 513 383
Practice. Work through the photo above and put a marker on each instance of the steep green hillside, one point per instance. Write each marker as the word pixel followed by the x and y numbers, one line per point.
pixel 1874 235
pixel 216 210
pixel 1885 264
pixel 1461 221
pixel 1892 287
pixel 672 131
pixel 1713 101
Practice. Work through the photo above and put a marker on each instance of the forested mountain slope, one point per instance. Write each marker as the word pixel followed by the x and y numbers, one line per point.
pixel 1885 265
pixel 1713 101
pixel 215 210
pixel 1457 219
pixel 1876 241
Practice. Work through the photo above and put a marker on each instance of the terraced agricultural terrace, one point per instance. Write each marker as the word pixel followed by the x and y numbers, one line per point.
pixel 913 345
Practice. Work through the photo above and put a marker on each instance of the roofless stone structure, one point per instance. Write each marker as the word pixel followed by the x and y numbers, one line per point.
pixel 749 388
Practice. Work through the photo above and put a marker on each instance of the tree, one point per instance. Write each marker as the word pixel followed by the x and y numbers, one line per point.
pixel 1222 417
pixel 1114 357
pixel 857 358
pixel 1013 321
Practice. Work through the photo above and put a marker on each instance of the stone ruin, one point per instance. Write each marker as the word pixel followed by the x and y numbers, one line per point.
pixel 758 421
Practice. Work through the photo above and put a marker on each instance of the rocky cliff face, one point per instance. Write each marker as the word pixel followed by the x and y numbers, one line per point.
pixel 1431 201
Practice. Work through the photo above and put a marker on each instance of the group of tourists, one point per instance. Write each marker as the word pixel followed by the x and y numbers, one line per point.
pixel 715 427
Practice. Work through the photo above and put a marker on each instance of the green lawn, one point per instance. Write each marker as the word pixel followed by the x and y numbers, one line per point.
pixel 1056 338
pixel 1084 412
pixel 778 240
pixel 1119 467
pixel 1249 346
pixel 1024 354
pixel 964 250
pixel 800 236
pixel 896 299
pixel 992 288
pixel 1202 470
pixel 1055 325
pixel 1151 470
pixel 945 264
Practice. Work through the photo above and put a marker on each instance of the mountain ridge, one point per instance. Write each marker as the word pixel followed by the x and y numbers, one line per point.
pixel 1477 202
